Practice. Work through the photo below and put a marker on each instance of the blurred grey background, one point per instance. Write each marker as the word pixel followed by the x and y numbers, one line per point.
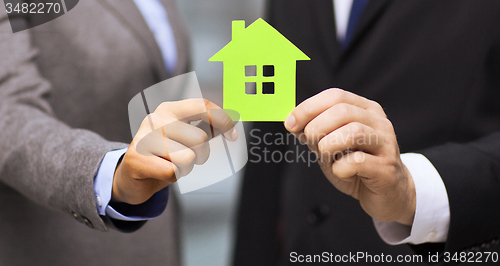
pixel 208 214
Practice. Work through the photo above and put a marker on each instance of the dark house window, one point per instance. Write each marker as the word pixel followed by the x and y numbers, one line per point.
pixel 259 79
pixel 251 87
pixel 250 71
pixel 267 87
pixel 268 70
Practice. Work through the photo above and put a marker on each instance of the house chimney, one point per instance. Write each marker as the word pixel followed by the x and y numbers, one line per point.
pixel 238 27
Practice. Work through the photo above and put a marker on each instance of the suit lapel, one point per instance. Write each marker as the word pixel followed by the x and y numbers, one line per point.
pixel 372 12
pixel 323 14
pixel 129 14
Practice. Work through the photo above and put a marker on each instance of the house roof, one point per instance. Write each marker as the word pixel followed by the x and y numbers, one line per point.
pixel 259 41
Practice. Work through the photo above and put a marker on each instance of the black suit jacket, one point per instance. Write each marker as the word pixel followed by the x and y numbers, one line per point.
pixel 435 68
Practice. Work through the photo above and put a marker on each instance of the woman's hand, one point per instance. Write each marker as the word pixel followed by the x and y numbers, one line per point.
pixel 167 146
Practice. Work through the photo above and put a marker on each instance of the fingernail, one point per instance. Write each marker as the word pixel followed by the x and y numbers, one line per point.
pixel 234 135
pixel 231 135
pixel 290 122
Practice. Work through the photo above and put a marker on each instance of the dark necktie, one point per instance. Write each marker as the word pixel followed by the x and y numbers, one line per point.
pixel 356 10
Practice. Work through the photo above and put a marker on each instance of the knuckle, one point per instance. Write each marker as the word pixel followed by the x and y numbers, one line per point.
pixel 323 146
pixel 169 172
pixel 203 154
pixel 349 138
pixel 375 105
pixel 305 109
pixel 310 132
pixel 150 118
pixel 387 124
pixel 146 119
pixel 337 94
pixel 190 156
pixel 390 126
pixel 374 138
pixel 391 144
pixel 200 138
pixel 187 156
pixel 342 109
pixel 163 107
pixel 356 129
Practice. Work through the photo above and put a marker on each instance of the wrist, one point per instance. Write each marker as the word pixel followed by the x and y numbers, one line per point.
pixel 128 190
pixel 116 195
pixel 409 200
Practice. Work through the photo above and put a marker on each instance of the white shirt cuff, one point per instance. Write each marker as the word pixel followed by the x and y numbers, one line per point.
pixel 103 186
pixel 103 182
pixel 432 215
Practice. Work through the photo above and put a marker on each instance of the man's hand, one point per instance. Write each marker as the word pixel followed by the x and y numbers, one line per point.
pixel 357 151
pixel 167 146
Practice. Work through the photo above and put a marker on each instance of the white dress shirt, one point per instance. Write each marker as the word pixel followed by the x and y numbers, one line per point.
pixel 432 215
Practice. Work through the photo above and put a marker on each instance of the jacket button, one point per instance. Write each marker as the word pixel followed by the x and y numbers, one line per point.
pixel 75 215
pixel 98 199
pixel 87 222
pixel 318 214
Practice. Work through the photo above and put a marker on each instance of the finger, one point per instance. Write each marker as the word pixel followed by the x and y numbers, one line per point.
pixel 208 129
pixel 358 164
pixel 196 109
pixel 152 144
pixel 184 109
pixel 155 144
pixel 180 155
pixel 153 167
pixel 351 137
pixel 191 137
pixel 337 116
pixel 221 121
pixel 317 104
pixel 160 169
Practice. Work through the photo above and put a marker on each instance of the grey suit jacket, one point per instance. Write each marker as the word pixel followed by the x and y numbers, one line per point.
pixel 64 90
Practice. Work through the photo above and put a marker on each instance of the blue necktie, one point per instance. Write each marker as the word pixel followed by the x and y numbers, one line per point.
pixel 356 10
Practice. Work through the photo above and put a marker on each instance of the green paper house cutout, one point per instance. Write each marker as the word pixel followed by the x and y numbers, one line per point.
pixel 259 72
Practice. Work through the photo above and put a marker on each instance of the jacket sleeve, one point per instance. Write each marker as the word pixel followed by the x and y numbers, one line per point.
pixel 471 174
pixel 41 157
